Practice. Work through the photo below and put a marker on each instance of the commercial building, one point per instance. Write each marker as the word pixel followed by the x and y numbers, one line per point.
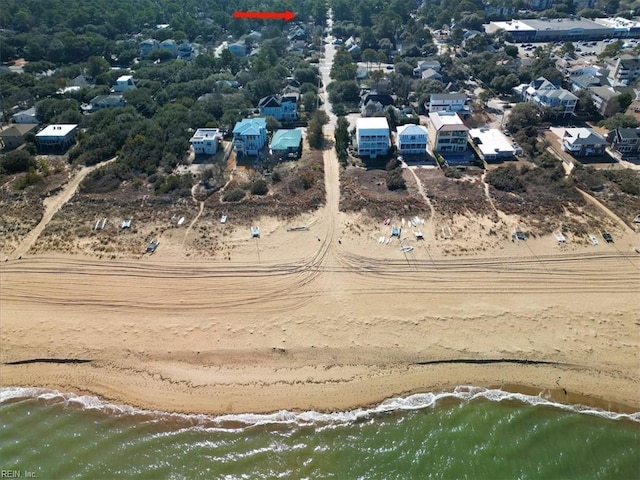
pixel 372 136
pixel 560 30
pixel 205 141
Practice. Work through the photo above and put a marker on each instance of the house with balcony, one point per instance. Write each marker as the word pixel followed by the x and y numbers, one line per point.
pixel 412 139
pixel 605 100
pixel 449 102
pixel 205 141
pixel 624 70
pixel 372 137
pixel 625 141
pixel 583 142
pixel 546 94
pixel 281 107
pixel 447 133
pixel 57 137
pixel 124 83
pixel 250 136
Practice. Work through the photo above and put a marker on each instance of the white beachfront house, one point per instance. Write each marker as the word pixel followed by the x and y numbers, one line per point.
pixel 412 139
pixel 372 136
pixel 205 141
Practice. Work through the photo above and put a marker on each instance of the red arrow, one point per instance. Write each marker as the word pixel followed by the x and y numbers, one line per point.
pixel 286 15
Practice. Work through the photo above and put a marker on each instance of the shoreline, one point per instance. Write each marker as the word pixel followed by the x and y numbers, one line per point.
pixel 324 326
pixel 554 398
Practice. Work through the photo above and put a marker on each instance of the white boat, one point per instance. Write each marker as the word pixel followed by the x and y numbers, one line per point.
pixel 181 221
pixel 255 232
pixel 223 219
pixel 406 249
pixel 594 240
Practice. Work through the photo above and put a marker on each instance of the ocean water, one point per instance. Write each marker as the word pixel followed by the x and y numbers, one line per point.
pixel 469 433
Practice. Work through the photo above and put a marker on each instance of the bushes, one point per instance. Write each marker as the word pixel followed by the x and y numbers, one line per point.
pixel 234 195
pixel 395 180
pixel 259 187
pixel 507 179
pixel 17 161
pixel 450 172
pixel 31 178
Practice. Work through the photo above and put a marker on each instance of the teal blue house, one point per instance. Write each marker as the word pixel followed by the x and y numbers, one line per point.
pixel 287 143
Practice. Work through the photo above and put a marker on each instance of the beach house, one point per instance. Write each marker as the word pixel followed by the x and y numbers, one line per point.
pixel 57 136
pixel 447 132
pixel 26 116
pixel 250 136
pixel 124 83
pixel 412 139
pixel 281 107
pixel 287 143
pixel 372 136
pixel 583 142
pixel 205 141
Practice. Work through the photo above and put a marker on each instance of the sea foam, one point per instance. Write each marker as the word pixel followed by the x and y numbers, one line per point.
pixel 243 421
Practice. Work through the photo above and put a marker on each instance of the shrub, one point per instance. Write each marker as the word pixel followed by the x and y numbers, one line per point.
pixel 17 161
pixel 30 178
pixel 259 187
pixel 507 179
pixel 275 176
pixel 392 164
pixel 234 195
pixel 450 172
pixel 395 180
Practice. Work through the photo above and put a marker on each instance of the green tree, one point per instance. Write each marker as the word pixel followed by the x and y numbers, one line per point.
pixel 17 161
pixel 97 65
pixel 619 120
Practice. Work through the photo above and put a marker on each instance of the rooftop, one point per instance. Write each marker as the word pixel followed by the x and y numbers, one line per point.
pixel 205 133
pixel 372 122
pixel 583 135
pixel 61 130
pixel 250 126
pixel 410 128
pixel 285 139
pixel 491 141
pixel 447 120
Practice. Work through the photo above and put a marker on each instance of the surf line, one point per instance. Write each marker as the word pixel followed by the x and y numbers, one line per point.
pixel 49 360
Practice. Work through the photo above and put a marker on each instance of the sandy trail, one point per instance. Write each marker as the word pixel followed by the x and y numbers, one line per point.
pixel 55 203
pixel 421 191
pixel 601 206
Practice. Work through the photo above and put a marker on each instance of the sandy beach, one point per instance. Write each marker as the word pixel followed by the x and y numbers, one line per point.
pixel 326 319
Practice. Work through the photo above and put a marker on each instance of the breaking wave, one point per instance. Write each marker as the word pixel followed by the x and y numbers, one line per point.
pixel 420 401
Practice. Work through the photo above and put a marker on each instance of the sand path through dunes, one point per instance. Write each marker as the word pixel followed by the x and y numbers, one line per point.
pixel 53 204
pixel 597 203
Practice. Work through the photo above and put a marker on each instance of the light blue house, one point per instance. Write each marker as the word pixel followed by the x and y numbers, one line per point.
pixel 170 46
pixel 281 107
pixel 287 143
pixel 250 136
pixel 412 139
pixel 148 46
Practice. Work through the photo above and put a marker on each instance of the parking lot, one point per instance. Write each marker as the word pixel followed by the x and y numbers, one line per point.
pixel 584 49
